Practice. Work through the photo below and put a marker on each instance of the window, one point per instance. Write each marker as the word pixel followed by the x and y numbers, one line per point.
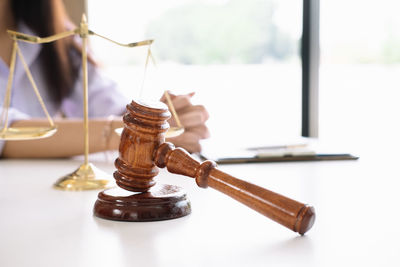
pixel 242 58
pixel 360 62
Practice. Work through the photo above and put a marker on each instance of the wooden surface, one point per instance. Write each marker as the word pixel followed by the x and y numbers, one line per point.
pixel 357 222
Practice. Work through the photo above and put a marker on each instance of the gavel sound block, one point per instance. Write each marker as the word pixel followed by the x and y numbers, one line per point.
pixel 142 150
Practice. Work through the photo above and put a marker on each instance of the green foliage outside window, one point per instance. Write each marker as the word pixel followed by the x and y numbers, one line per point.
pixel 234 32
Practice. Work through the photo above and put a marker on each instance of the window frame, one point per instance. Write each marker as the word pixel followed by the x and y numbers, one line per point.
pixel 310 53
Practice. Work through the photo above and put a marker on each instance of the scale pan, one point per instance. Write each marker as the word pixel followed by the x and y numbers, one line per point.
pixel 27 133
pixel 172 132
pixel 118 131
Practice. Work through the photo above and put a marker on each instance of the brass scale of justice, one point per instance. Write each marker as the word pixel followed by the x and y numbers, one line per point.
pixel 142 151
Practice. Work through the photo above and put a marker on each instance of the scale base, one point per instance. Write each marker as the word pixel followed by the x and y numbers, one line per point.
pixel 161 202
pixel 86 177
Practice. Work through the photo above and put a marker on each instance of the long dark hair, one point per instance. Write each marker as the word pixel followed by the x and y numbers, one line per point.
pixel 48 17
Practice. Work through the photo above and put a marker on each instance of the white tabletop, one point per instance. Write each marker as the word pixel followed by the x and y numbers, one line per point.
pixel 356 202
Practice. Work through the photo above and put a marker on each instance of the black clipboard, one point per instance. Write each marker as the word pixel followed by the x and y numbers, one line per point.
pixel 316 157
pixel 280 153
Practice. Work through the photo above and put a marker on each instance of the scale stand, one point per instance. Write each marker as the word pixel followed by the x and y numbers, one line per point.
pixel 87 176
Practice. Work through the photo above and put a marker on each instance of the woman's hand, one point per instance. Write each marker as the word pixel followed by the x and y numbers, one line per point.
pixel 192 118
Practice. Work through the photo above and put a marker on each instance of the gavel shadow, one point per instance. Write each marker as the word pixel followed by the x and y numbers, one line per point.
pixel 141 242
pixel 289 252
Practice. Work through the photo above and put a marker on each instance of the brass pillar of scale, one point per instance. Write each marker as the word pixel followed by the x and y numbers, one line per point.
pixel 87 176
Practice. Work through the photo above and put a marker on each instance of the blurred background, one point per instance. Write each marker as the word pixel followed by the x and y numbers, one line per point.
pixel 242 58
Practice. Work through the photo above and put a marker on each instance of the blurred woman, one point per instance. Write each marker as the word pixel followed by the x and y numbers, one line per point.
pixel 56 68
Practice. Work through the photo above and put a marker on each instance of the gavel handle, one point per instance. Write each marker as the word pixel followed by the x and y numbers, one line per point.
pixel 288 212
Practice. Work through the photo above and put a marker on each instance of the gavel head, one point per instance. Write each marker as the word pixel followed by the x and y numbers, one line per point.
pixel 144 131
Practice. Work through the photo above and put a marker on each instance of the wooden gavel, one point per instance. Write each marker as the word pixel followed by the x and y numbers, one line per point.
pixel 142 150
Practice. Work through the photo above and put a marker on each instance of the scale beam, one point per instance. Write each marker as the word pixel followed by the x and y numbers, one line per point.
pixel 141 43
pixel 18 36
